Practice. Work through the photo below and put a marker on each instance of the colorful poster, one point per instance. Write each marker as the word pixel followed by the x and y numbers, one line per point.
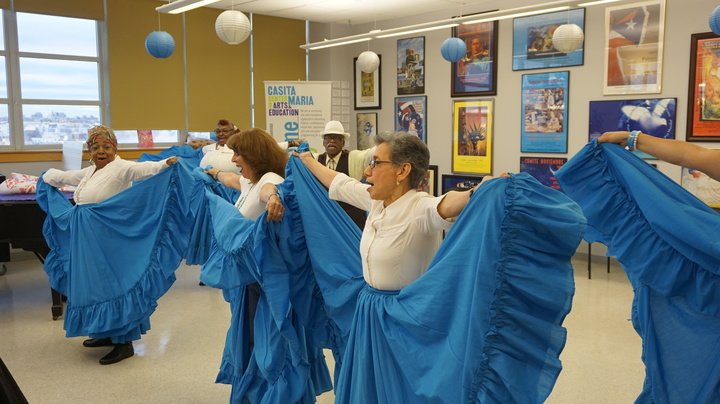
pixel 410 116
pixel 704 97
pixel 145 138
pixel 653 116
pixel 472 137
pixel 411 65
pixel 544 112
pixel 543 169
pixel 702 186
pixel 532 40
pixel 476 73
pixel 298 110
pixel 634 47
pixel 366 130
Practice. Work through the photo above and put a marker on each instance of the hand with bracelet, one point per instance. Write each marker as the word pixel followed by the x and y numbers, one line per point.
pixel 630 140
pixel 673 151
pixel 273 202
pixel 213 172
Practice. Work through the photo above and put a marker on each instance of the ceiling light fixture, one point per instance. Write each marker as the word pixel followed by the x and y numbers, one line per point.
pixel 409 30
pixel 594 3
pixel 515 15
pixel 181 6
pixel 542 8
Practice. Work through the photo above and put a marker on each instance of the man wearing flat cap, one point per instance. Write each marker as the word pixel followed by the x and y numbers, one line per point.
pixel 337 158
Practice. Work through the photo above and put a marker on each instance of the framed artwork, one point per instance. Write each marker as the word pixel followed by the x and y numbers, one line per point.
pixel 411 65
pixel 703 117
pixel 476 73
pixel 411 116
pixel 459 182
pixel 472 136
pixel 532 40
pixel 702 186
pixel 543 169
pixel 544 112
pixel 654 116
pixel 366 129
pixel 429 183
pixel 367 87
pixel 634 47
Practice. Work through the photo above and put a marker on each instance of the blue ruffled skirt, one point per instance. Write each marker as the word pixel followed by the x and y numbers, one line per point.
pixel 667 241
pixel 114 260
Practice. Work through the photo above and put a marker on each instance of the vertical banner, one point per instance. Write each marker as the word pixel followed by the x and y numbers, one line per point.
pixel 298 110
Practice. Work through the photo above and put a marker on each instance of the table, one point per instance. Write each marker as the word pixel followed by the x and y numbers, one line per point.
pixel 21 223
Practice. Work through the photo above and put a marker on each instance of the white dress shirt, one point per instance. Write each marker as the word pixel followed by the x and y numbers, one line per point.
pixel 220 158
pixel 399 240
pixel 97 186
pixel 249 203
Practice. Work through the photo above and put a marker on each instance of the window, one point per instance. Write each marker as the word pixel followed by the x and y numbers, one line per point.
pixel 53 87
pixel 51 83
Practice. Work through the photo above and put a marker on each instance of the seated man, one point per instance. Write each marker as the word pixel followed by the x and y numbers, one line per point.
pixel 337 158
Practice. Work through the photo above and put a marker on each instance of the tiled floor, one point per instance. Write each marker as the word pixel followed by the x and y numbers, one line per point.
pixel 177 361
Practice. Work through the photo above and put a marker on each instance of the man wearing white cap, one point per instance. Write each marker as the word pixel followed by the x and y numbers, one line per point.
pixel 337 158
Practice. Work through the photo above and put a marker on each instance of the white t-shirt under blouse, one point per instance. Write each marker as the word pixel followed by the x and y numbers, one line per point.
pixel 249 203
pixel 399 240
pixel 97 186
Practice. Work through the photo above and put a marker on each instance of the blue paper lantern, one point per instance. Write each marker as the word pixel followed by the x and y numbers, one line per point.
pixel 715 21
pixel 453 49
pixel 160 44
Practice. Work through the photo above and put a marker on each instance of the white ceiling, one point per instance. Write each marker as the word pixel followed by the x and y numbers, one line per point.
pixel 356 12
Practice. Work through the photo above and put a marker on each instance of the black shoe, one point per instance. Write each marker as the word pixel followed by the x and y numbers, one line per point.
pixel 120 352
pixel 97 342
pixel 201 283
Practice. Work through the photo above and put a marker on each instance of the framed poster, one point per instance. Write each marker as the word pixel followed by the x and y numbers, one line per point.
pixel 476 73
pixel 367 87
pixel 653 116
pixel 544 112
pixel 472 136
pixel 703 117
pixel 459 182
pixel 543 169
pixel 410 116
pixel 532 40
pixel 411 65
pixel 702 186
pixel 366 129
pixel 634 47
pixel 429 183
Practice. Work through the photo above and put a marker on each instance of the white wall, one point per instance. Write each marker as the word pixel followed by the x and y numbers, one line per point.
pixel 682 18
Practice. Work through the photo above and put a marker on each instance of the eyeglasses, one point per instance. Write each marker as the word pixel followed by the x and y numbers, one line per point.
pixel 228 130
pixel 373 163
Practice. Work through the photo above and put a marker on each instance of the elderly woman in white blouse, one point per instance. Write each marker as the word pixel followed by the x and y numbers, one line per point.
pixel 400 219
pixel 108 174
pixel 105 177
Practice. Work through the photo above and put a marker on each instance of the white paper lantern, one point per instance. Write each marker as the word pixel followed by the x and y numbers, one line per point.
pixel 568 38
pixel 232 27
pixel 368 61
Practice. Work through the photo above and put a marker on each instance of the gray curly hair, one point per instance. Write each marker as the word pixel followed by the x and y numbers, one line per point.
pixel 406 148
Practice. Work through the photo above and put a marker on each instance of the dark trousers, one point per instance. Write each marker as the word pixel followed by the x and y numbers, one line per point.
pixel 252 296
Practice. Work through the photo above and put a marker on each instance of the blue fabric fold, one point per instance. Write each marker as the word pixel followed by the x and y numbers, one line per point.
pixel 286 364
pixel 115 259
pixel 667 241
pixel 185 152
pixel 483 324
